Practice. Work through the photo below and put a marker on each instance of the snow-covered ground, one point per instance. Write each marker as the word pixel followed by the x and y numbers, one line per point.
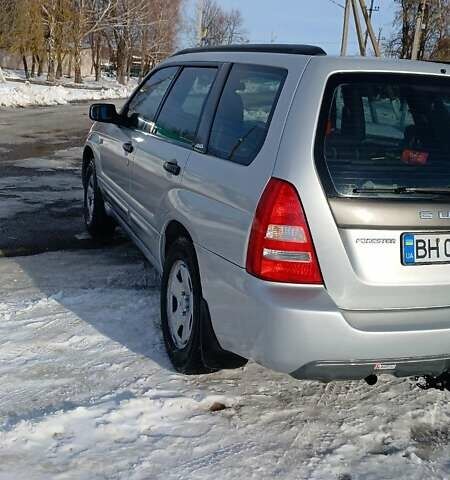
pixel 87 392
pixel 13 94
pixel 26 94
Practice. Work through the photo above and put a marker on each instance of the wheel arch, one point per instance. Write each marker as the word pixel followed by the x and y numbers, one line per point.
pixel 174 230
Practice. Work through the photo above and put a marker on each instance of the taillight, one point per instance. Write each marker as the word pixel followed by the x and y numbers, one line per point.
pixel 280 248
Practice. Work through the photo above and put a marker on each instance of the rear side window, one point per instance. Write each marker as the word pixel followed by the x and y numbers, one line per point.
pixel 386 132
pixel 181 112
pixel 244 112
pixel 144 105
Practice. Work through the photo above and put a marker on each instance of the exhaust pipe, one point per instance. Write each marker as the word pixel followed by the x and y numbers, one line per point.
pixel 371 380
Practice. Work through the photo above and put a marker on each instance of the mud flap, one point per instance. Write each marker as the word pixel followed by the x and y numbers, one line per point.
pixel 213 355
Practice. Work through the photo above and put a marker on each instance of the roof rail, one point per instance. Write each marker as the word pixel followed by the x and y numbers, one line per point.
pixel 435 60
pixel 292 49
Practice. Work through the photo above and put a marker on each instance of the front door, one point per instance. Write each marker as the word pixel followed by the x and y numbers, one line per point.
pixel 116 153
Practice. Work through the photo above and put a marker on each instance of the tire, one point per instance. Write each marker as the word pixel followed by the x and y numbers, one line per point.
pixel 181 316
pixel 99 225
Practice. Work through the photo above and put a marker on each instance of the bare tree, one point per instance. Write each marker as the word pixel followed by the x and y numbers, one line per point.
pixel 139 33
pixel 132 31
pixel 88 17
pixel 158 34
pixel 21 32
pixel 435 29
pixel 50 18
pixel 217 26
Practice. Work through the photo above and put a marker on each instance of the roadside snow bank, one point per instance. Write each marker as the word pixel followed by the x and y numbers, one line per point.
pixel 25 95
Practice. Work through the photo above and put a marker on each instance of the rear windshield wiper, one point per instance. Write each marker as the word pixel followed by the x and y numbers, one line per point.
pixel 405 190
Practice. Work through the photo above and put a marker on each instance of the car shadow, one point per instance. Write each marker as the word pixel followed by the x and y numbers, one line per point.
pixel 113 289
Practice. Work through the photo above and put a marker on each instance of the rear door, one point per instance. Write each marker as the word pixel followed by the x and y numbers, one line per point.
pixel 162 149
pixel 223 182
pixel 383 156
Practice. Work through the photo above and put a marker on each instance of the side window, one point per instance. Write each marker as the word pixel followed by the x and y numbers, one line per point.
pixel 143 106
pixel 244 112
pixel 181 112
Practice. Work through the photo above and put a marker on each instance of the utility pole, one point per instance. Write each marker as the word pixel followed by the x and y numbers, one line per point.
pixel 353 5
pixel 373 39
pixel 345 29
pixel 418 30
pixel 371 9
pixel 359 33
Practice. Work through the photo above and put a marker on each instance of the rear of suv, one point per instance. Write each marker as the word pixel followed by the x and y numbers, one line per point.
pixel 297 206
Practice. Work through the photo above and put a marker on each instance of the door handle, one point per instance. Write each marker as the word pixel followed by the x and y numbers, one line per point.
pixel 172 167
pixel 128 147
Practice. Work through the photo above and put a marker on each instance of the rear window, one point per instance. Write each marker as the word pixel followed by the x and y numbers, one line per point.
pixel 385 132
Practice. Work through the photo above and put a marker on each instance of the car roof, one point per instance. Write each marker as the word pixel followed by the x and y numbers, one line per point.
pixel 290 55
pixel 289 48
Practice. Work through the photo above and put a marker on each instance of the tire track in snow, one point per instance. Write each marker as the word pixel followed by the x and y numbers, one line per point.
pixel 187 469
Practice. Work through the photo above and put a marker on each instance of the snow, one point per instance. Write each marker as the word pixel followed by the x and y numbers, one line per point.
pixel 13 94
pixel 26 94
pixel 88 392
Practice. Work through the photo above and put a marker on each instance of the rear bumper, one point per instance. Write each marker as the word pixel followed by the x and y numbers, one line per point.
pixel 356 370
pixel 299 330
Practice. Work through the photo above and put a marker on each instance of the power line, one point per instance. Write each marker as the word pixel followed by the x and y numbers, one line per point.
pixel 337 3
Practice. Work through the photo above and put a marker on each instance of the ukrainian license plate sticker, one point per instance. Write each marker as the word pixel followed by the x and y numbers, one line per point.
pixel 420 249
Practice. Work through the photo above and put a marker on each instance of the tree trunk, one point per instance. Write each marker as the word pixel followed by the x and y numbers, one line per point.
pixel 33 65
pixel 40 61
pixel 51 56
pixel 121 62
pixel 59 65
pixel 69 67
pixel 77 63
pixel 25 67
pixel 95 55
pixel 144 44
pixel 129 66
pixel 97 73
pixel 50 63
pixel 97 62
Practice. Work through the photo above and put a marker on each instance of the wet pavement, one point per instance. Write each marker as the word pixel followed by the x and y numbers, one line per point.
pixel 40 183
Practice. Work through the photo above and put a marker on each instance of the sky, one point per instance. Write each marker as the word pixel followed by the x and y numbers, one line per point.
pixel 317 22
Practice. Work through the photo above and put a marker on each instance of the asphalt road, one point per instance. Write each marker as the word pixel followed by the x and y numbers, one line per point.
pixel 40 184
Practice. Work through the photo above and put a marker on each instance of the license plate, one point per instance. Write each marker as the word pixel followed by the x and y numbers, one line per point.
pixel 420 249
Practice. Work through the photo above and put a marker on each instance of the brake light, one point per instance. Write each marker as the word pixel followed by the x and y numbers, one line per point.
pixel 280 248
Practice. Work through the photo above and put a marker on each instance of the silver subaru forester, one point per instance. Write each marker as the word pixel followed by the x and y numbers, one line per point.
pixel 297 206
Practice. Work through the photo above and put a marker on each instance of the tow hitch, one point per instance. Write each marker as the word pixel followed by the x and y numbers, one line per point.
pixel 441 382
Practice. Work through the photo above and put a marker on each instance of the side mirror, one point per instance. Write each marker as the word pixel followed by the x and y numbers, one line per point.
pixel 104 112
